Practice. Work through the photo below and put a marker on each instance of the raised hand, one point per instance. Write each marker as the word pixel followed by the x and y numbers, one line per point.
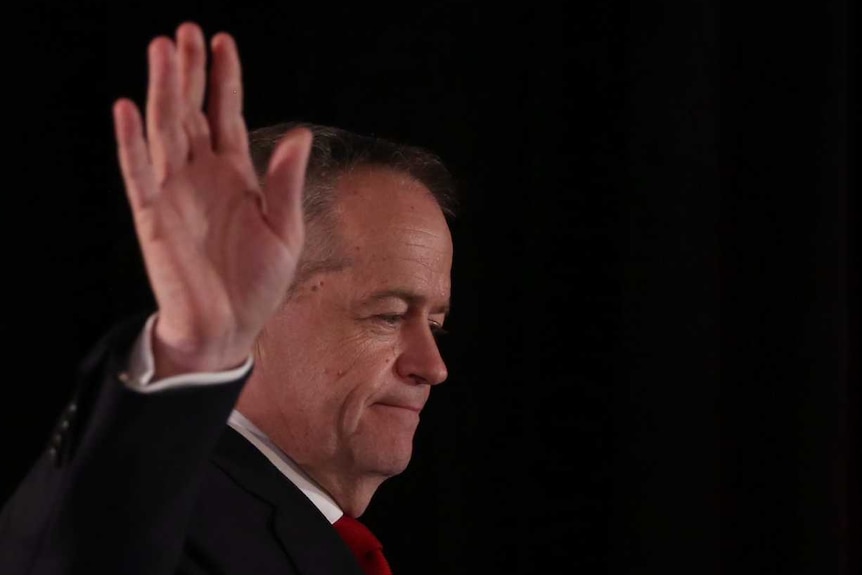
pixel 220 249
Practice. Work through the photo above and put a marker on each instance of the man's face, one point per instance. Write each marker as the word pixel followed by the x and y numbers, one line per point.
pixel 348 363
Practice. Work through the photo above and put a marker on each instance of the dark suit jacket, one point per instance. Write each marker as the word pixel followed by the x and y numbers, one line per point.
pixel 158 484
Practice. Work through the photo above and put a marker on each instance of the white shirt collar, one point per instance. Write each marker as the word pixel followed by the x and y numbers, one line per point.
pixel 286 465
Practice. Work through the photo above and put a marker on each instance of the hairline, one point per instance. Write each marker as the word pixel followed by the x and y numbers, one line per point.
pixel 328 221
pixel 336 153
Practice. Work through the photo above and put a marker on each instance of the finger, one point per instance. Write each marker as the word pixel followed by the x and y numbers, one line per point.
pixel 224 106
pixel 133 156
pixel 191 53
pixel 165 132
pixel 191 56
pixel 284 185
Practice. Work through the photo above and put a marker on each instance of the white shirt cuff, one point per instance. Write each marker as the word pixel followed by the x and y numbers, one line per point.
pixel 141 368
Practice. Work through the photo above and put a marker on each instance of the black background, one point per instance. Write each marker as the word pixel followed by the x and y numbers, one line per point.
pixel 654 348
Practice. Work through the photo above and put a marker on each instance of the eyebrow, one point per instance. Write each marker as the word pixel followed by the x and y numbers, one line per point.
pixel 410 297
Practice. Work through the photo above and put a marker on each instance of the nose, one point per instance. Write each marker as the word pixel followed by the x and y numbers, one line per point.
pixel 420 358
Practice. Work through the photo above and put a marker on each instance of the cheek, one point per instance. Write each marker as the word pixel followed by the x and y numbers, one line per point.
pixel 361 363
pixel 364 376
pixel 334 371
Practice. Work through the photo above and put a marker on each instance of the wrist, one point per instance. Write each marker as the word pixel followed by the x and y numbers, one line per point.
pixel 176 353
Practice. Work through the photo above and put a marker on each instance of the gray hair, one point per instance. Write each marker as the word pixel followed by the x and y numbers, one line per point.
pixel 334 152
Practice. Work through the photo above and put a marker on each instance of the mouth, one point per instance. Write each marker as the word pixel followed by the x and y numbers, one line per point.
pixel 410 408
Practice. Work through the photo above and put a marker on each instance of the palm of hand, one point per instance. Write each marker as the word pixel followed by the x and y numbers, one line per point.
pixel 208 235
pixel 220 251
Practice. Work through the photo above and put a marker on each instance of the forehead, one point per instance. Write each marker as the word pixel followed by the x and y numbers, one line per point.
pixel 374 205
pixel 393 231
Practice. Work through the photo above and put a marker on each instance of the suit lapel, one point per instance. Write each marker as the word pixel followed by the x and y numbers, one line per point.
pixel 307 537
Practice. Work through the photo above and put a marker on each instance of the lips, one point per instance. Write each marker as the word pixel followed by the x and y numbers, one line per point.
pixel 410 407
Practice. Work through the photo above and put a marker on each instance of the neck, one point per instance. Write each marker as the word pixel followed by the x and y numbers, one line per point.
pixel 352 494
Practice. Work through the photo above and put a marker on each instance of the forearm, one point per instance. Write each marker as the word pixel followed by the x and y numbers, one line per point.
pixel 114 490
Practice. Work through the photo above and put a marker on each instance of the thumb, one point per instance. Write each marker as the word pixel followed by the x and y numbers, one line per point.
pixel 285 181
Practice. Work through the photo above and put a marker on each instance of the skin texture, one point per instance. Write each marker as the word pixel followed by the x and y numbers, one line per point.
pixel 346 365
pixel 342 372
pixel 220 250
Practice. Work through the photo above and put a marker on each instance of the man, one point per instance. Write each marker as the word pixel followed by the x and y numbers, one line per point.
pixel 306 294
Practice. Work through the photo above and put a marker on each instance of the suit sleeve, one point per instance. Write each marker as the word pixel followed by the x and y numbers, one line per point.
pixel 114 489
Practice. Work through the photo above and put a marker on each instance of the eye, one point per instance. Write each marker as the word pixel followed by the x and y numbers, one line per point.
pixel 390 319
pixel 437 329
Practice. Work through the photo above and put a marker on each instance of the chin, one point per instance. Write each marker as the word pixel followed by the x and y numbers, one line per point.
pixel 386 446
pixel 390 462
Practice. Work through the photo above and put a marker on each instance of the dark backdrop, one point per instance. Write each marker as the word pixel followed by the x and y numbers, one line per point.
pixel 654 347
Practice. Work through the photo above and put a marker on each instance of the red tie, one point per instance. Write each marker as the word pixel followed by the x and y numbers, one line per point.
pixel 363 543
